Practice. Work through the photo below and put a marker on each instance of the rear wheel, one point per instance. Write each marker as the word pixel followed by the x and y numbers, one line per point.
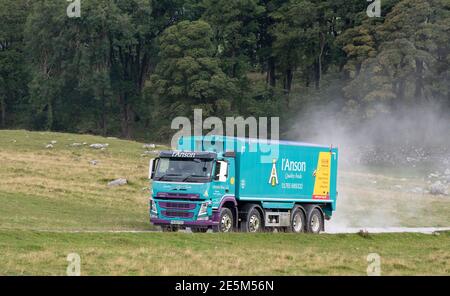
pixel 226 220
pixel 253 221
pixel 298 221
pixel 315 221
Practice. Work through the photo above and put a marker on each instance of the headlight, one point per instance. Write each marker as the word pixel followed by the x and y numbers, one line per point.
pixel 153 207
pixel 204 209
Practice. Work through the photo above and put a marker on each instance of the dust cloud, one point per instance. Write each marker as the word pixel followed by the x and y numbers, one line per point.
pixel 386 164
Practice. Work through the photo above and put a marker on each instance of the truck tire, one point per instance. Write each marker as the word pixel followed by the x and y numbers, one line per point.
pixel 298 221
pixel 169 229
pixel 199 229
pixel 253 221
pixel 226 221
pixel 315 221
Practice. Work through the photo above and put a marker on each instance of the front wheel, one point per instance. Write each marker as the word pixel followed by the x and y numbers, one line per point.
pixel 226 220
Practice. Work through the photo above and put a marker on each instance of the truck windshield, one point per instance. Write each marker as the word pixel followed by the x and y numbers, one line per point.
pixel 184 170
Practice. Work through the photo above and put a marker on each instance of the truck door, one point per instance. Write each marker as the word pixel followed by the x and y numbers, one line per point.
pixel 231 177
pixel 224 180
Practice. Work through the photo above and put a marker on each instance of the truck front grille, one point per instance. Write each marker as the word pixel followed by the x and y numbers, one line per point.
pixel 177 205
pixel 174 214
pixel 177 195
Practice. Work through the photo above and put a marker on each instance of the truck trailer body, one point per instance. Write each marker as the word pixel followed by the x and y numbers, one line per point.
pixel 228 184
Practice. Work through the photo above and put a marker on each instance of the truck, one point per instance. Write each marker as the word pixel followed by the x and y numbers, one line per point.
pixel 243 184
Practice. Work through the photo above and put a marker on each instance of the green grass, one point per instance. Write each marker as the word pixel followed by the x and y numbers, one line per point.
pixel 27 211
pixel 38 253
pixel 58 188
pixel 52 198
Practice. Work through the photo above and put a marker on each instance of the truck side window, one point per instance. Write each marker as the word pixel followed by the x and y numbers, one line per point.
pixel 217 171
pixel 221 171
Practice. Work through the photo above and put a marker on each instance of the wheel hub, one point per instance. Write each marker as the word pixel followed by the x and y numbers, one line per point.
pixel 254 223
pixel 297 223
pixel 315 223
pixel 225 223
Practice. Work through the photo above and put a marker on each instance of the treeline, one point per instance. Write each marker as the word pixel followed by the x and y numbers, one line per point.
pixel 128 67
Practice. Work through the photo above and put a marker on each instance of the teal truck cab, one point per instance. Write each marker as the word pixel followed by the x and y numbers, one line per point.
pixel 228 184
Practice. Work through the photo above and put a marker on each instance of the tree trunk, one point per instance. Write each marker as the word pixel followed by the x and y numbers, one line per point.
pixel 307 76
pixel 288 80
pixel 50 115
pixel 320 69
pixel 271 79
pixel 419 80
pixel 234 68
pixel 357 70
pixel 3 111
pixel 319 61
pixel 104 128
pixel 317 74
pixel 125 116
pixel 400 101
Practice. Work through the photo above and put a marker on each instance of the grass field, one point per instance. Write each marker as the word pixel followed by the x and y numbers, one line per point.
pixel 48 193
pixel 29 253
pixel 58 188
pixel 371 199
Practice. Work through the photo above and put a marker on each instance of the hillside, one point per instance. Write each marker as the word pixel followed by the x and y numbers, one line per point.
pixel 55 200
pixel 60 188
pixel 65 187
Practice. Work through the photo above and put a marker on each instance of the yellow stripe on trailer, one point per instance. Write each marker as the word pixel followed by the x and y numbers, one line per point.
pixel 322 174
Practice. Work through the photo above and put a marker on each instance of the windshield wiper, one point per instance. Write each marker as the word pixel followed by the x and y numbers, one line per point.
pixel 193 175
pixel 167 175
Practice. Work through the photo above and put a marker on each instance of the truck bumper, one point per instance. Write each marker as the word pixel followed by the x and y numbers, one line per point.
pixel 213 221
pixel 204 223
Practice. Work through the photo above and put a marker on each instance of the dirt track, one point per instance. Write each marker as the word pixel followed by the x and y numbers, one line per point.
pixel 330 230
pixel 426 230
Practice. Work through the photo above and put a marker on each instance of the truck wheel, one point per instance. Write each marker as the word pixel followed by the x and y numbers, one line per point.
pixel 169 229
pixel 253 221
pixel 226 220
pixel 315 221
pixel 297 221
pixel 199 229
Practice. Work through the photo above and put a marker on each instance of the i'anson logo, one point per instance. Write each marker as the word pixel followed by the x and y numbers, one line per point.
pixel 183 154
pixel 293 166
pixel 273 180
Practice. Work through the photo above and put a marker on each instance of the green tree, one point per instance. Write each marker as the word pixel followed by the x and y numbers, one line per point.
pixel 293 35
pixel 188 75
pixel 359 44
pixel 400 62
pixel 48 52
pixel 13 76
pixel 235 28
pixel 132 38
pixel 95 63
pixel 304 35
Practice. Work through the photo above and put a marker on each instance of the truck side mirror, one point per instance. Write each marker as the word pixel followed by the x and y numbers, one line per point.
pixel 221 173
pixel 152 168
